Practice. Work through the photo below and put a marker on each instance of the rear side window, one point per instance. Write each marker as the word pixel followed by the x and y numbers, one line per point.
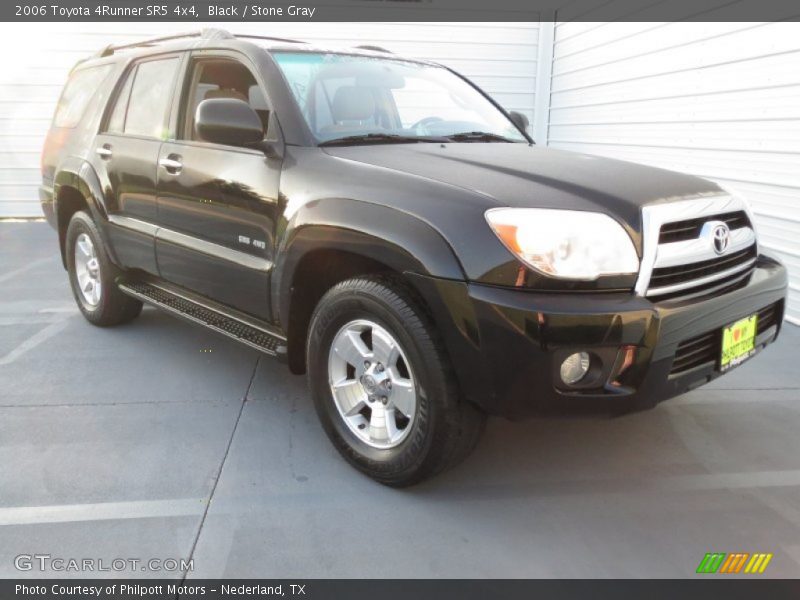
pixel 116 123
pixel 142 105
pixel 79 90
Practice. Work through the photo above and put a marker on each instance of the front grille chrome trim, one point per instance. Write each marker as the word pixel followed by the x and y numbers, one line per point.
pixel 688 285
pixel 678 254
pixel 664 211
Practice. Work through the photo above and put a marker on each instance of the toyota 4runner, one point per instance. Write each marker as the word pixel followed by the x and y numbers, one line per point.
pixel 383 225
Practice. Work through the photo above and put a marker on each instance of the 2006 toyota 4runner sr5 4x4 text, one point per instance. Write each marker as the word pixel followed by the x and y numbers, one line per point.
pixel 383 225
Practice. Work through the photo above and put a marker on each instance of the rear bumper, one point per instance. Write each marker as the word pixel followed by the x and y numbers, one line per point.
pixel 48 206
pixel 507 345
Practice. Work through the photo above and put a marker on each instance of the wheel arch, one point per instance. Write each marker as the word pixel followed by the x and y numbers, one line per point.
pixel 77 187
pixel 336 240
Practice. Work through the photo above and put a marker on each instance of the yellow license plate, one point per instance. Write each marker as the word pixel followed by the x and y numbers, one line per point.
pixel 738 342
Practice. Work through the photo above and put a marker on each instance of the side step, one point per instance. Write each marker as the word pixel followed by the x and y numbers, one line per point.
pixel 182 305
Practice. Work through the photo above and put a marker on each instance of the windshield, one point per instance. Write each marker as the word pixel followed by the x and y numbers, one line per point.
pixel 361 99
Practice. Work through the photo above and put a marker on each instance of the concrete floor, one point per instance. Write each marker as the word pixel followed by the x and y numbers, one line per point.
pixel 157 439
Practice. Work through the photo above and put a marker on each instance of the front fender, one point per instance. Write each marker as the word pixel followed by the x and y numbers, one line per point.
pixel 376 232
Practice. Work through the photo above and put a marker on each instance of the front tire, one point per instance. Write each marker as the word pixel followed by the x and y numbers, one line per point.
pixel 93 276
pixel 383 386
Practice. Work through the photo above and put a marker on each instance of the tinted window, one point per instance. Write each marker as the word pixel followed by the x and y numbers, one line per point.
pixel 80 88
pixel 116 124
pixel 150 98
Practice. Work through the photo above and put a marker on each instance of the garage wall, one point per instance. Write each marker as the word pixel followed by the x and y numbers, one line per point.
pixel 501 57
pixel 720 100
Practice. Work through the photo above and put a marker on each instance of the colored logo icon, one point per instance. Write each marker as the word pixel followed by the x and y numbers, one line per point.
pixel 737 562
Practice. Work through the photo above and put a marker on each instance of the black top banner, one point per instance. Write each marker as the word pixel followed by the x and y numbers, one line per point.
pixel 399 10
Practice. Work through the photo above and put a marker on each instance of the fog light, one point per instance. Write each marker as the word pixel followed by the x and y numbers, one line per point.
pixel 575 367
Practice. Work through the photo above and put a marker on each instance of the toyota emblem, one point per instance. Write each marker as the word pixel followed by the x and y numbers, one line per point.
pixel 721 236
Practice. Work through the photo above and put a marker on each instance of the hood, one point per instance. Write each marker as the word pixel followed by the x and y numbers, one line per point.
pixel 519 175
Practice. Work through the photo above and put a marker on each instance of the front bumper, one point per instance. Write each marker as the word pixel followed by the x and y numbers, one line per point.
pixel 507 345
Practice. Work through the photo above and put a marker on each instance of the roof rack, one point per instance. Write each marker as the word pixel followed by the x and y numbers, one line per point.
pixel 374 48
pixel 205 33
pixel 268 37
pixel 208 33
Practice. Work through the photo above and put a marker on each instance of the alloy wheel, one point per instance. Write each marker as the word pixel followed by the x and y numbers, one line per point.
pixel 372 384
pixel 87 270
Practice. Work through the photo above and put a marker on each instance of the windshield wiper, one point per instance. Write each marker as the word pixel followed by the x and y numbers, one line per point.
pixel 378 138
pixel 478 136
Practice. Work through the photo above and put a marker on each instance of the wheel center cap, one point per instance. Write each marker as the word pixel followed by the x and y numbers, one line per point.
pixel 375 381
pixel 369 383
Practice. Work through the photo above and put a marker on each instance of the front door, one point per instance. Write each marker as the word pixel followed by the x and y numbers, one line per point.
pixel 217 204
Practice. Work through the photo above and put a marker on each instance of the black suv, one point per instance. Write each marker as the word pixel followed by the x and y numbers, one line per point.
pixel 384 225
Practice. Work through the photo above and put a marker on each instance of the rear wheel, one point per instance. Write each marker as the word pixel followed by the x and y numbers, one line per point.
pixel 93 276
pixel 383 386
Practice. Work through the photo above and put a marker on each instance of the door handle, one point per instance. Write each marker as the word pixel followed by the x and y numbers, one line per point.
pixel 171 164
pixel 104 152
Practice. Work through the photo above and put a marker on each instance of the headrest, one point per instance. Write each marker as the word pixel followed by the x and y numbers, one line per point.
pixel 225 93
pixel 353 103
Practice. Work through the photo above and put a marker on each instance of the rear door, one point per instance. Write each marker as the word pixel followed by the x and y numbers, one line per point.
pixel 217 204
pixel 125 156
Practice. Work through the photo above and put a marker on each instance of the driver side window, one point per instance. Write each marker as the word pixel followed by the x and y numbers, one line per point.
pixel 221 78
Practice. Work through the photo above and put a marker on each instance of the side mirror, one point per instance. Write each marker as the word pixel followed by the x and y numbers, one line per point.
pixel 228 121
pixel 520 120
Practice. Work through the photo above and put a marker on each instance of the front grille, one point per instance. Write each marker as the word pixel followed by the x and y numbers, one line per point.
pixel 668 276
pixel 706 347
pixel 680 260
pixel 713 288
pixel 690 228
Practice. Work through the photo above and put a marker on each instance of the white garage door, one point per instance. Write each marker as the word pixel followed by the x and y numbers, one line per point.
pixel 721 100
pixel 500 57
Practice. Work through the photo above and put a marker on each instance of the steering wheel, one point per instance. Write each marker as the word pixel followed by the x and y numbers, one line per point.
pixel 426 121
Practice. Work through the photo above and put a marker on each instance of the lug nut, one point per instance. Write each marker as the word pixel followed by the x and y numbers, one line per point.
pixel 379 368
pixel 366 364
pixel 385 400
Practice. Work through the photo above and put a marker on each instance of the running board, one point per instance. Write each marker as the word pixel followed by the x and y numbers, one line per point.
pixel 191 310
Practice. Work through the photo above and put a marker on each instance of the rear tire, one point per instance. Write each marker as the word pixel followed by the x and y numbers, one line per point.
pixel 93 276
pixel 393 435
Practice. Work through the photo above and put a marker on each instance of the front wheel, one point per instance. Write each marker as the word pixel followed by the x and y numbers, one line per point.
pixel 383 386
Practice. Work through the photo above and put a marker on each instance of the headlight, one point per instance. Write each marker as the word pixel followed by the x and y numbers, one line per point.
pixel 567 244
